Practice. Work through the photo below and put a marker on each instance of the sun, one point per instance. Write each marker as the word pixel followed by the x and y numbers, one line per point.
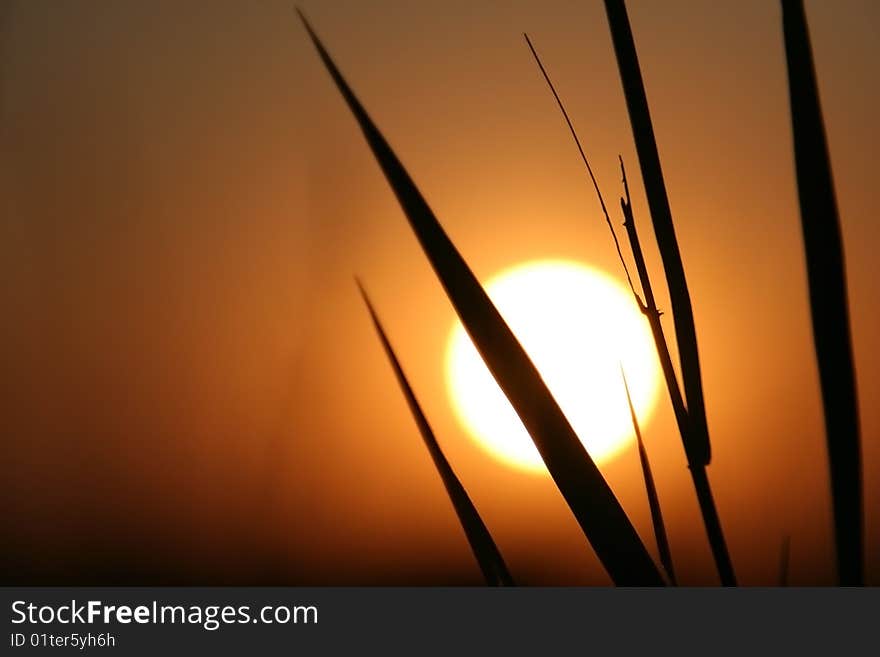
pixel 578 325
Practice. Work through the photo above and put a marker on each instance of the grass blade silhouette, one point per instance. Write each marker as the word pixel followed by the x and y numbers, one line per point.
pixel 591 500
pixel 826 277
pixel 698 472
pixel 484 548
pixel 696 438
pixel 649 309
pixel 649 306
pixel 651 489
pixel 702 488
pixel 652 312
pixel 658 202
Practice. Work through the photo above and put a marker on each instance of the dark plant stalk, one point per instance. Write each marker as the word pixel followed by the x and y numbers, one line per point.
pixel 650 310
pixel 649 306
pixel 826 276
pixel 696 437
pixel 651 489
pixel 661 215
pixel 711 521
pixel 594 505
pixel 484 548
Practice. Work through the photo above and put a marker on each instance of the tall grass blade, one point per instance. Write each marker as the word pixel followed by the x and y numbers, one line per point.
pixel 826 276
pixel 696 439
pixel 597 510
pixel 650 310
pixel 484 548
pixel 649 306
pixel 651 489
pixel 655 188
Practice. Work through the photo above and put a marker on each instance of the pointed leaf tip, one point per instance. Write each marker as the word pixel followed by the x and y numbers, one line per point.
pixel 482 545
pixel 592 501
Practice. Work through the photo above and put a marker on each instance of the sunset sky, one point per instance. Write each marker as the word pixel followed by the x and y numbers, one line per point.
pixel 192 389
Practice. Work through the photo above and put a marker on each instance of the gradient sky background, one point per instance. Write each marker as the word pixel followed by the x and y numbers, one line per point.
pixel 192 391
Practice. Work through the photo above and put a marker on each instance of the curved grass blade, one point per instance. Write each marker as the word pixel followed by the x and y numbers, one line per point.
pixel 649 306
pixel 650 310
pixel 826 277
pixel 651 489
pixel 484 548
pixel 586 162
pixel 597 510
pixel 696 438
pixel 654 319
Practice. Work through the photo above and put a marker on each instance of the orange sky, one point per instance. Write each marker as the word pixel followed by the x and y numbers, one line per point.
pixel 193 390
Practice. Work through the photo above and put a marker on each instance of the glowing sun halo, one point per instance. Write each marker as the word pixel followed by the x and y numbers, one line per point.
pixel 577 325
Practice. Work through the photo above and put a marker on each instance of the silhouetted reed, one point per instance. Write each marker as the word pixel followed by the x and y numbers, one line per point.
pixel 826 277
pixel 594 505
pixel 484 548
pixel 649 306
pixel 672 384
pixel 696 436
pixel 650 310
pixel 597 510
pixel 651 489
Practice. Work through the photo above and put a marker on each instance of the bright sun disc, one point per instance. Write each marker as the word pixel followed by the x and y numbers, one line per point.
pixel 578 325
